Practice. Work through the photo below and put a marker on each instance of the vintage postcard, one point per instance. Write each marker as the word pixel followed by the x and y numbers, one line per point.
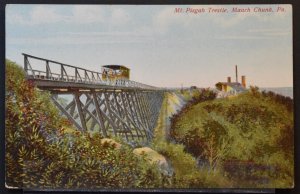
pixel 149 97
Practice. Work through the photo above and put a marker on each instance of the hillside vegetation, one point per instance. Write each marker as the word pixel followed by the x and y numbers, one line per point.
pixel 186 173
pixel 242 141
pixel 247 138
pixel 43 151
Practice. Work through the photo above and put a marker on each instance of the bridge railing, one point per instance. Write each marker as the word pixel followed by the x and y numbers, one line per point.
pixel 56 71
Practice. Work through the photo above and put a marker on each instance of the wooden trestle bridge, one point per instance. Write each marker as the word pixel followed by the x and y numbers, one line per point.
pixel 123 108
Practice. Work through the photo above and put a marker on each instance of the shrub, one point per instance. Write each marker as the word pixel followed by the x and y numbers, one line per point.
pixel 277 98
pixel 41 154
pixel 248 138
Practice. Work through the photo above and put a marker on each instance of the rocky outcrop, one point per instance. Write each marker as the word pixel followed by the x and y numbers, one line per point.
pixel 155 158
pixel 112 142
pixel 175 102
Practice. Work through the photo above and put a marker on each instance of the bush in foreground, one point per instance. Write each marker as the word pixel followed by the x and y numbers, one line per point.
pixel 41 154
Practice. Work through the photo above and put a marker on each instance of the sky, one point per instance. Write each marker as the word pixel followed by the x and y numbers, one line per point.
pixel 161 47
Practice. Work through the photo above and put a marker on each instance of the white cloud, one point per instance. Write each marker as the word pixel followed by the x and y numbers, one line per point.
pixel 86 14
pixel 139 32
pixel 119 16
pixel 46 14
pixel 242 37
pixel 230 21
pixel 268 30
pixel 271 32
pixel 39 15
pixel 260 16
pixel 14 18
pixel 80 14
pixel 166 18
pixel 255 34
pixel 76 39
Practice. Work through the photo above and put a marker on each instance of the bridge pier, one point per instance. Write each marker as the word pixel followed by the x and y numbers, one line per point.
pixel 131 115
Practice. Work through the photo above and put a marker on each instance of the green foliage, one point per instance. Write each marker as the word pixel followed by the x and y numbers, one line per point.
pixel 244 141
pixel 284 100
pixel 254 90
pixel 247 138
pixel 40 153
pixel 198 97
pixel 204 95
pixel 193 142
pixel 186 173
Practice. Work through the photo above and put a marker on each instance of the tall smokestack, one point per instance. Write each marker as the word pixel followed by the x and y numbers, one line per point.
pixel 228 79
pixel 236 74
pixel 244 81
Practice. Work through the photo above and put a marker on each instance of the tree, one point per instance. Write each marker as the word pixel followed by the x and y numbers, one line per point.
pixel 216 142
pixel 41 154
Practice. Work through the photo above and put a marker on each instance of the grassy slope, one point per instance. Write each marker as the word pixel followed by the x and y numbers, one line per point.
pixel 186 173
pixel 178 158
pixel 258 142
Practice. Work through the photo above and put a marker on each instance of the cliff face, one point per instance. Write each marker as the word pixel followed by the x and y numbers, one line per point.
pixel 175 101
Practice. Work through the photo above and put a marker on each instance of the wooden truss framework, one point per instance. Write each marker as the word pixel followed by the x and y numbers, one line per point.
pixel 123 108
pixel 58 72
pixel 129 114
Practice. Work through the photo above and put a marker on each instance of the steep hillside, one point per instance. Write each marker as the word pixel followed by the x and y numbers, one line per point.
pixel 43 151
pixel 186 173
pixel 248 137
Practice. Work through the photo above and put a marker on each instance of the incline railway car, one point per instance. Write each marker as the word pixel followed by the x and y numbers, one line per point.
pixel 115 72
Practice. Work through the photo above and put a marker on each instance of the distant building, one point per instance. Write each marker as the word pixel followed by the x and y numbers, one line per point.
pixel 231 88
